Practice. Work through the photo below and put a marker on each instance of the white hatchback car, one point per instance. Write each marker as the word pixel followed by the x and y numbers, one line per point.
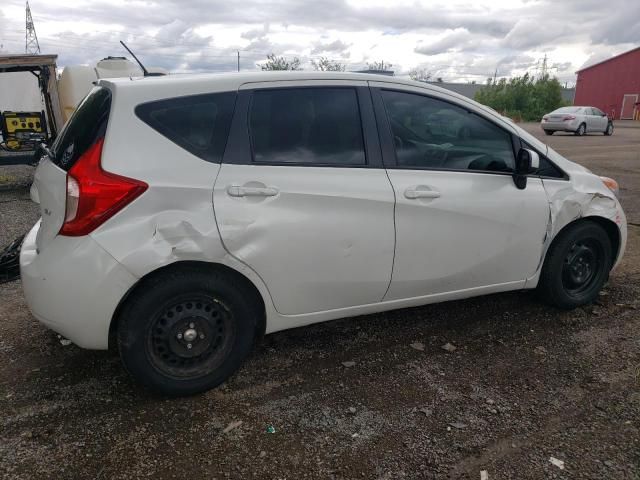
pixel 185 216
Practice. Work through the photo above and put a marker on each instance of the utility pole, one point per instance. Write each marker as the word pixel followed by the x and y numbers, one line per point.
pixel 544 66
pixel 31 44
pixel 238 60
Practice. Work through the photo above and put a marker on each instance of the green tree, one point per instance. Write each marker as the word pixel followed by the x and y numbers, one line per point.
pixel 522 97
pixel 280 63
pixel 380 66
pixel 323 64
pixel 420 74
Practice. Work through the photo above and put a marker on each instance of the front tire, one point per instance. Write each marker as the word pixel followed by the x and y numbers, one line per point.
pixel 582 130
pixel 576 266
pixel 609 130
pixel 187 331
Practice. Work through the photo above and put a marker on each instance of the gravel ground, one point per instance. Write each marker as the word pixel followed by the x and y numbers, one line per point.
pixel 525 383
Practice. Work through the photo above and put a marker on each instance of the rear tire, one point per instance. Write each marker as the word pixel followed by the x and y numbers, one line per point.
pixel 548 132
pixel 187 331
pixel 576 266
pixel 582 130
pixel 609 130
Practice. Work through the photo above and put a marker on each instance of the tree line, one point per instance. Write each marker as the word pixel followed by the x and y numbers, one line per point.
pixel 521 98
pixel 322 64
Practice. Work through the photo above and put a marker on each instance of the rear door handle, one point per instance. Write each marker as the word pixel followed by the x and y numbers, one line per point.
pixel 238 191
pixel 413 193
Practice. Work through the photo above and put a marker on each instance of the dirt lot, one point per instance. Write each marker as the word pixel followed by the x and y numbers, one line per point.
pixel 525 383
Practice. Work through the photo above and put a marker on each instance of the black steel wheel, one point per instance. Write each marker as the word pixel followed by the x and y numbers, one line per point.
pixel 576 266
pixel 187 330
pixel 191 336
pixel 581 265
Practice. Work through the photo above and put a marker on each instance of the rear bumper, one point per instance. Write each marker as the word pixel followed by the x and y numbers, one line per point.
pixel 73 287
pixel 560 126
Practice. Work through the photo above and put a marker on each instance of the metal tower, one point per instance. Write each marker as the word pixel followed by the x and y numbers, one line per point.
pixel 31 44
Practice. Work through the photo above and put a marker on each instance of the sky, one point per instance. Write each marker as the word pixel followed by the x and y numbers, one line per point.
pixel 456 40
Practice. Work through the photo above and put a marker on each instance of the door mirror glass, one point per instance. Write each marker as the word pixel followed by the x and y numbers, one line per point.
pixel 527 162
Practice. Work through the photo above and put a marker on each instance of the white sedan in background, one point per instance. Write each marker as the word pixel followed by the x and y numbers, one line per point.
pixel 579 120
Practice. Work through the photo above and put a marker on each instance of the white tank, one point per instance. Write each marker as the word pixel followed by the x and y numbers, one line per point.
pixel 76 80
pixel 115 67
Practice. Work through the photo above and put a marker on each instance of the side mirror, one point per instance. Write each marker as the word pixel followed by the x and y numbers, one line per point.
pixel 527 162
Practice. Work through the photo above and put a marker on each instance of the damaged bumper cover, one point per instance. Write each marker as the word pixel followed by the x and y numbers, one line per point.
pixel 94 283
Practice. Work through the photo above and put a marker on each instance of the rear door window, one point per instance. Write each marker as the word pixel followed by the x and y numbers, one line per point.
pixel 85 127
pixel 307 126
pixel 198 123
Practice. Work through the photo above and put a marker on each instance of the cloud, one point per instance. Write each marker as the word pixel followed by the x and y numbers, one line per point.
pixel 530 33
pixel 456 40
pixel 469 40
pixel 337 46
pixel 256 32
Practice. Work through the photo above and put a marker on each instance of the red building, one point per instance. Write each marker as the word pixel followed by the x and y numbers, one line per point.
pixel 612 85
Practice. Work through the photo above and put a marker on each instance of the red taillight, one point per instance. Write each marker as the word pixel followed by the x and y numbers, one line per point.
pixel 568 117
pixel 545 118
pixel 93 195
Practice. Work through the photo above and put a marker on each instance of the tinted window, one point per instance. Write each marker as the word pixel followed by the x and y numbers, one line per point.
pixel 319 126
pixel 546 168
pixel 430 133
pixel 198 123
pixel 87 124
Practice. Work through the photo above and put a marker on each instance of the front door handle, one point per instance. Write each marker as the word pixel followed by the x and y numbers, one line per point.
pixel 413 193
pixel 238 191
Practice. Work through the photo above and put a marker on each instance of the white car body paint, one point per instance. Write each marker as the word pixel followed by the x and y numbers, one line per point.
pixel 74 285
pixel 324 242
pixel 476 226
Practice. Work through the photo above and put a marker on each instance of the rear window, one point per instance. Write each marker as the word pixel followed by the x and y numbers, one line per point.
pixel 198 123
pixel 87 124
pixel 567 110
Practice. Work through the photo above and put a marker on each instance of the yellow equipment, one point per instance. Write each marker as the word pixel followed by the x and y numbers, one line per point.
pixel 21 130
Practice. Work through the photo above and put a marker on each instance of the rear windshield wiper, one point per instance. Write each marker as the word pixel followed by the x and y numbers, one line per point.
pixel 43 149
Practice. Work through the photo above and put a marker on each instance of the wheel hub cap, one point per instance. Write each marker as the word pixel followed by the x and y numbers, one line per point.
pixel 189 337
pixel 580 267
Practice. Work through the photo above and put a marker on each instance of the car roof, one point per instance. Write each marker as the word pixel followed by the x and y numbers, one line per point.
pixel 260 76
pixel 237 79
